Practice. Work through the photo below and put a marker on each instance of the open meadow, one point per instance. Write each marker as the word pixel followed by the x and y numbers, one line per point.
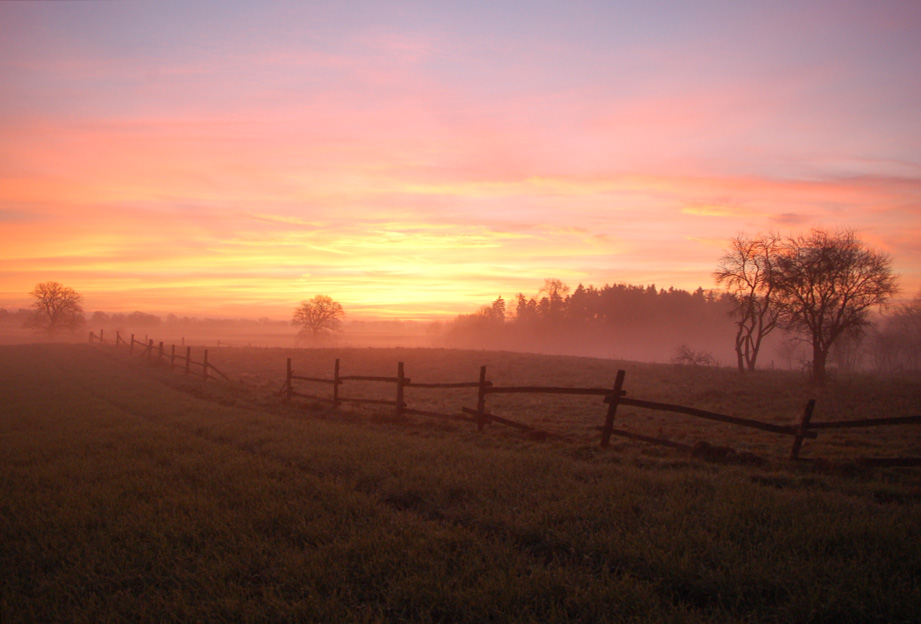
pixel 132 493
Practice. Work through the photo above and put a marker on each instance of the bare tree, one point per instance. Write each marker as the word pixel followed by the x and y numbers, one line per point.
pixel 746 271
pixel 686 356
pixel 317 316
pixel 826 284
pixel 56 308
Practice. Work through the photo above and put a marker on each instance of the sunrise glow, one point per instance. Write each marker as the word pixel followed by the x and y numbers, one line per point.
pixel 417 161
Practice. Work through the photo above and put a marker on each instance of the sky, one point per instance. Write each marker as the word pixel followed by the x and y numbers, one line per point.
pixel 416 160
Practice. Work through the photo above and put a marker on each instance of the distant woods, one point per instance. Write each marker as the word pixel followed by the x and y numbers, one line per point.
pixel 132 319
pixel 614 320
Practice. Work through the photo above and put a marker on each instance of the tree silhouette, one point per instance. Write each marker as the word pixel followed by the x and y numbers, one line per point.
pixel 746 270
pixel 827 283
pixel 553 305
pixel 56 307
pixel 317 316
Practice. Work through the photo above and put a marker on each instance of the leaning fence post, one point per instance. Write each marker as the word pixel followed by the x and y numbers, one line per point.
pixel 802 429
pixel 400 382
pixel 118 337
pixel 188 359
pixel 288 374
pixel 160 354
pixel 336 383
pixel 616 393
pixel 204 367
pixel 481 401
pixel 172 358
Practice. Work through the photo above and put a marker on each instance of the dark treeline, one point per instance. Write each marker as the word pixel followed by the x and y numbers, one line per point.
pixel 619 320
pixel 133 319
pixel 138 319
pixel 143 319
pixel 649 324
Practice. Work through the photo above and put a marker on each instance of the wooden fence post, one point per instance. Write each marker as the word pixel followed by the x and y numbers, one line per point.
pixel 172 358
pixel 400 382
pixel 91 337
pixel 204 367
pixel 481 400
pixel 149 349
pixel 188 359
pixel 802 429
pixel 118 337
pixel 288 389
pixel 160 354
pixel 336 383
pixel 612 409
pixel 102 339
pixel 131 347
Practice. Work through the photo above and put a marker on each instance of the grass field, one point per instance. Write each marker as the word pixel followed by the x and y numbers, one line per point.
pixel 128 493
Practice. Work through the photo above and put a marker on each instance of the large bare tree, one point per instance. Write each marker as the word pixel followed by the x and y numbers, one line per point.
pixel 56 308
pixel 317 316
pixel 827 283
pixel 746 272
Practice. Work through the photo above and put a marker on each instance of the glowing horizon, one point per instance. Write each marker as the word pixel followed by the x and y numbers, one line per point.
pixel 233 160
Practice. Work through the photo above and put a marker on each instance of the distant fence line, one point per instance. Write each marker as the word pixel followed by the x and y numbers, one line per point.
pixel 150 351
pixel 612 397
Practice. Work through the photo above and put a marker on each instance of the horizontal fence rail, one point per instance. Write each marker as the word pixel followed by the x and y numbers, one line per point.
pixel 867 422
pixel 548 390
pixel 733 420
pixel 612 398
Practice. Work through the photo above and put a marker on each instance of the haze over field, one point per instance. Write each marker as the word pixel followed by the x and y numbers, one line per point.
pixel 416 161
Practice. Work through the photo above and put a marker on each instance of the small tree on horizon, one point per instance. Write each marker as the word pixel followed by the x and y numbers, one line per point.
pixel 56 308
pixel 317 316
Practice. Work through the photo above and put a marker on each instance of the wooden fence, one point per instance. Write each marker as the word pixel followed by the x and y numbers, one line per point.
pixel 612 398
pixel 150 351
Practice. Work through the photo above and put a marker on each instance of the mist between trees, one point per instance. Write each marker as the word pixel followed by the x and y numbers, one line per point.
pixel 644 323
pixel 824 292
pixel 626 321
pixel 623 321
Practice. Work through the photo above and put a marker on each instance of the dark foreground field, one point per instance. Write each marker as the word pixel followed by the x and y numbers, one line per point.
pixel 129 494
